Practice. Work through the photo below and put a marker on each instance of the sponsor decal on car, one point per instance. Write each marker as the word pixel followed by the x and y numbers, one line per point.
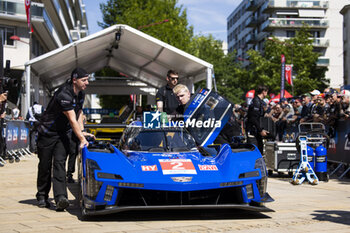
pixel 153 120
pixel 208 167
pixel 182 179
pixel 177 166
pixel 149 168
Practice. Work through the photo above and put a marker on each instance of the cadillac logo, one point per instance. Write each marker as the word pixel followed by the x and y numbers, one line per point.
pixel 182 179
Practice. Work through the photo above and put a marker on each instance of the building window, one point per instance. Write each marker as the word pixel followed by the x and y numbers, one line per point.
pixel 290 33
pixel 6 33
pixel 315 34
pixel 37 49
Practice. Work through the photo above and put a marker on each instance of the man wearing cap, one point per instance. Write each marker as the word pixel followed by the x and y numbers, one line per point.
pixel 62 115
pixel 314 94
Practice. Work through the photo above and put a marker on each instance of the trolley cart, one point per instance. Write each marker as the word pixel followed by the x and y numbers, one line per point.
pixel 281 157
pixel 311 136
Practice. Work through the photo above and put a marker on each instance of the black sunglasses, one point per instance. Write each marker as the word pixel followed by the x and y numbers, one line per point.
pixel 173 78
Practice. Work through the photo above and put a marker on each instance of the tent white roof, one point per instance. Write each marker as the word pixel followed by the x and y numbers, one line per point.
pixel 136 54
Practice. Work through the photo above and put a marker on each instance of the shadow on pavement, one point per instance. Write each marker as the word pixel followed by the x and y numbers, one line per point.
pixel 151 215
pixel 34 202
pixel 73 201
pixel 336 216
pixel 166 215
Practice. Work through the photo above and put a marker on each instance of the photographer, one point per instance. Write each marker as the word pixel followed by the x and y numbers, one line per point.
pixel 3 98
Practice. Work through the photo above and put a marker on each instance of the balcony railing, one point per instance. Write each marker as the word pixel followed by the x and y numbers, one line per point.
pixel 317 42
pixel 294 22
pixel 17 8
pixel 323 61
pixel 320 42
pixel 251 38
pixel 308 3
pixel 251 5
pixel 251 22
pixel 321 4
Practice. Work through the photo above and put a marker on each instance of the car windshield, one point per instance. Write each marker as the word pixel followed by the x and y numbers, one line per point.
pixel 159 140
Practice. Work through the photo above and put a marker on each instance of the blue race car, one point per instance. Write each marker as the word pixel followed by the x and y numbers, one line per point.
pixel 168 168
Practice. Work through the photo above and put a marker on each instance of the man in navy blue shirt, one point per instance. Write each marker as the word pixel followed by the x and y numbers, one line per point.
pixel 165 97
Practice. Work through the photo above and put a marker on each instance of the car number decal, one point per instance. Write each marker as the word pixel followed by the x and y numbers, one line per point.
pixel 177 166
pixel 149 168
pixel 207 167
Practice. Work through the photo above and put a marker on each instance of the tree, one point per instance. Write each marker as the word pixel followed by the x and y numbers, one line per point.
pixel 176 32
pixel 266 68
pixel 225 69
pixel 140 13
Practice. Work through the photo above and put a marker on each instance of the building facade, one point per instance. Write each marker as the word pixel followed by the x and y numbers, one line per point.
pixel 346 46
pixel 55 23
pixel 253 21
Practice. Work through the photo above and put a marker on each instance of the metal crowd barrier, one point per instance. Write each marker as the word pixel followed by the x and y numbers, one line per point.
pixel 16 137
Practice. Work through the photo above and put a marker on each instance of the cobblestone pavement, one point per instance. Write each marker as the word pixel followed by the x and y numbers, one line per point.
pixel 304 208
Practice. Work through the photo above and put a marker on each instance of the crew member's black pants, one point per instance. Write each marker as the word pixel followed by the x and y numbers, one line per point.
pixel 2 140
pixel 52 150
pixel 73 152
pixel 33 134
pixel 256 139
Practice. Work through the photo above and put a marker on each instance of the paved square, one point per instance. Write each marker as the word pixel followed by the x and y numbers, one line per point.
pixel 304 208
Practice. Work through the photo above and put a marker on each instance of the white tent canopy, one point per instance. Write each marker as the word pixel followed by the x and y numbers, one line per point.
pixel 124 49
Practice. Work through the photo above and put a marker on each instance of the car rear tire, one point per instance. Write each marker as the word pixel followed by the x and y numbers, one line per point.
pixel 81 202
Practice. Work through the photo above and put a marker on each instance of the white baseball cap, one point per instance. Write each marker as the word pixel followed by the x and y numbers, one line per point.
pixel 315 92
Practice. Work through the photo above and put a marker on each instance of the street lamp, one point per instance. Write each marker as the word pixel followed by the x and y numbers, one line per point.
pixel 14 37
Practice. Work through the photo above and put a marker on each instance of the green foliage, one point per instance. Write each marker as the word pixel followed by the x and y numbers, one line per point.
pixel 266 68
pixel 225 69
pixel 107 72
pixel 149 16
pixel 146 15
pixel 110 101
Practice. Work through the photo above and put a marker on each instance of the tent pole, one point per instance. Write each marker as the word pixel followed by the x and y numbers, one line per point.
pixel 27 96
pixel 209 79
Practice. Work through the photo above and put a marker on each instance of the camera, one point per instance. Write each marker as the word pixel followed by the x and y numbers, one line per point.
pixel 7 83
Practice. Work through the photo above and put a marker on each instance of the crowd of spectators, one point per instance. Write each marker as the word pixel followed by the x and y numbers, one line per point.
pixel 325 107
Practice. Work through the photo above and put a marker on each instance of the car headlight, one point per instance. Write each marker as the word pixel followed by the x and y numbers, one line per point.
pixel 262 183
pixel 92 185
pixel 260 164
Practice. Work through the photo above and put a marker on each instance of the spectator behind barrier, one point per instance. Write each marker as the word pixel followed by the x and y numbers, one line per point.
pixel 33 116
pixel 16 114
pixel 305 115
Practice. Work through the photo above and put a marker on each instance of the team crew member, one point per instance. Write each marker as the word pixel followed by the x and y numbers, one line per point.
pixel 165 98
pixel 255 112
pixel 61 116
pixel 74 150
pixel 183 95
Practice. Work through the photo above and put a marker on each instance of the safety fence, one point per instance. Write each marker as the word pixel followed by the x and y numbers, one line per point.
pixel 15 141
pixel 339 139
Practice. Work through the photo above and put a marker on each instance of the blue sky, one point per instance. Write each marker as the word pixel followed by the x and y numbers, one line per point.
pixel 206 16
